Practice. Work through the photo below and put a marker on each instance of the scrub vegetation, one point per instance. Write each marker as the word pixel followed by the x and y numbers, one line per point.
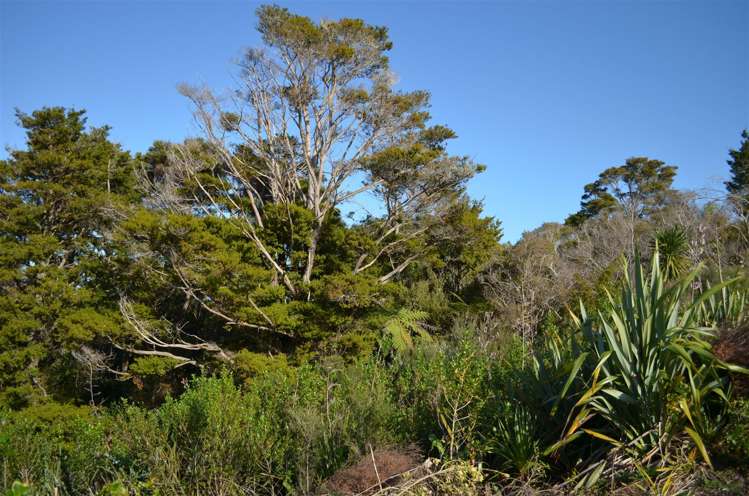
pixel 208 318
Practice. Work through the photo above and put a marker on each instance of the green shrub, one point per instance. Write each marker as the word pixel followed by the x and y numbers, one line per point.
pixel 448 392
pixel 248 365
pixel 18 488
pixel 223 439
pixel 516 440
pixel 138 448
pixel 53 446
pixel 734 441
pixel 470 399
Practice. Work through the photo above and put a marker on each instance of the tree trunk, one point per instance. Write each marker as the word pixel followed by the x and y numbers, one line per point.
pixel 311 252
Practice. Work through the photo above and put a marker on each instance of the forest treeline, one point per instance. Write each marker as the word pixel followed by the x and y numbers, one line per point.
pixel 207 317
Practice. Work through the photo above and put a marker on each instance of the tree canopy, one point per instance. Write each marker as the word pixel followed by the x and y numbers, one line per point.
pixel 124 273
pixel 739 164
pixel 638 187
pixel 59 199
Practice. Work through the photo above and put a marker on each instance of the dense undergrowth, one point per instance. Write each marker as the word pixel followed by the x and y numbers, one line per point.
pixel 631 397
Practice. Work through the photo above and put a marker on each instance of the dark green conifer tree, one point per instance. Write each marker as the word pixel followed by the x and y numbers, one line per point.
pixel 739 164
pixel 58 198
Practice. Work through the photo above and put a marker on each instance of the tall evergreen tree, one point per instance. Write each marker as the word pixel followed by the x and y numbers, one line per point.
pixel 57 200
pixel 739 164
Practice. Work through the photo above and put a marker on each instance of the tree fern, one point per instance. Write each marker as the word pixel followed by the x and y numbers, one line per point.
pixel 403 326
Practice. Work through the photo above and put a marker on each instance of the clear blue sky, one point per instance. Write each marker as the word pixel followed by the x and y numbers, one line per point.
pixel 546 94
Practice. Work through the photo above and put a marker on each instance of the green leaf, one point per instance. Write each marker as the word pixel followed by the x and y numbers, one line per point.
pixel 700 445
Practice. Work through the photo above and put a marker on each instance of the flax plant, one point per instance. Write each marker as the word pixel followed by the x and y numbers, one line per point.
pixel 655 379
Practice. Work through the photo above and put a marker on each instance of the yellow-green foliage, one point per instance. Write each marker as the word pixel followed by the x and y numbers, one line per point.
pixel 249 364
pixel 152 366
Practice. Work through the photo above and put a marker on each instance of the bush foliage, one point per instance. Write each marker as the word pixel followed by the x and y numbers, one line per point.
pixel 205 318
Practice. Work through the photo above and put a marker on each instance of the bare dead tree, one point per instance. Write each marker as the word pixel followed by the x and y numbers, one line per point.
pixel 525 287
pixel 597 243
pixel 95 362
